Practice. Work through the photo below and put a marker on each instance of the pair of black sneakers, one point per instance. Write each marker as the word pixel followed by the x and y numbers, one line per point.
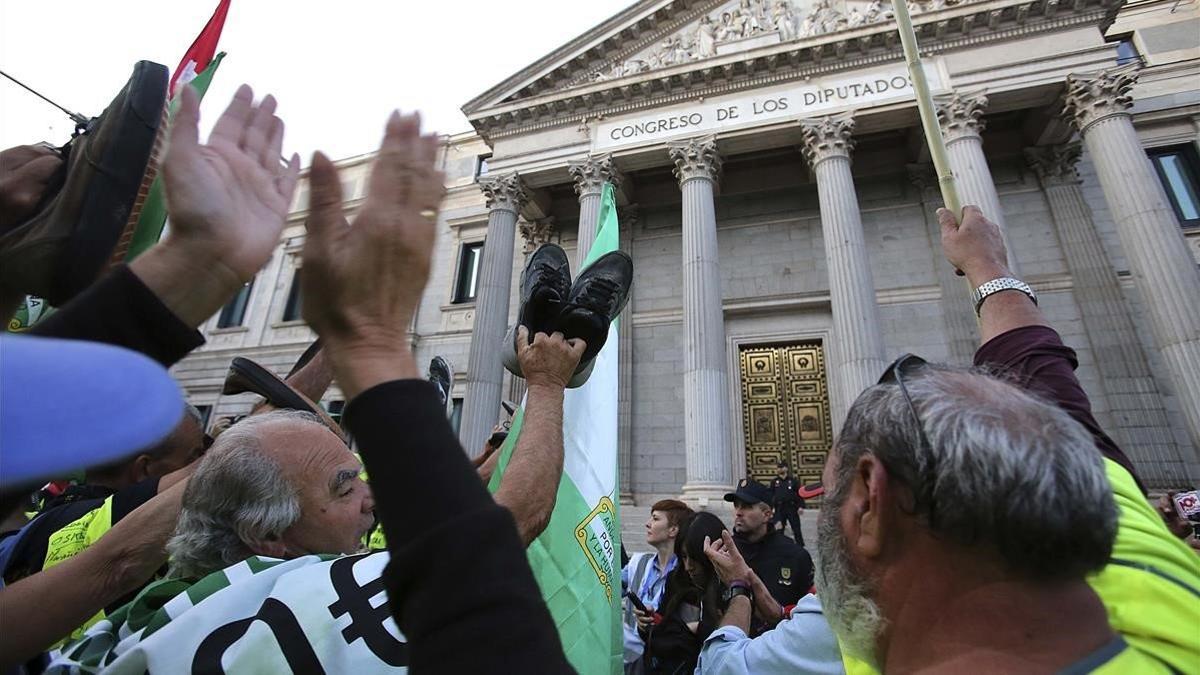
pixel 584 309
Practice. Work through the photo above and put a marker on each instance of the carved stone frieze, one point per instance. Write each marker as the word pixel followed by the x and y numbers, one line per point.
pixel 504 192
pixel 1093 97
pixel 747 24
pixel 961 114
pixel 535 232
pixel 1055 164
pixel 695 158
pixel 592 173
pixel 827 137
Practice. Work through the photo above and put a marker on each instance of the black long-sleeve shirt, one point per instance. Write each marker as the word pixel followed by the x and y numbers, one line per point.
pixel 458 583
pixel 121 310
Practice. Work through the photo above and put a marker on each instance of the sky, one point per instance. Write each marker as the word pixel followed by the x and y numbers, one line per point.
pixel 337 68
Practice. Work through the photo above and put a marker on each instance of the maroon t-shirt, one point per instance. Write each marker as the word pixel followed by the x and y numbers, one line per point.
pixel 1036 358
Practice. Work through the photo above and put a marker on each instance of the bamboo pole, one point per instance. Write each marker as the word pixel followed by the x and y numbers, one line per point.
pixel 929 121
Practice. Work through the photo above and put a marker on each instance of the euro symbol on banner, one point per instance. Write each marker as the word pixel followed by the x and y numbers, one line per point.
pixel 366 622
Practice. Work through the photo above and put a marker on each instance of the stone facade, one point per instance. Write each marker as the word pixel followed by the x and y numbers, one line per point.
pixel 736 258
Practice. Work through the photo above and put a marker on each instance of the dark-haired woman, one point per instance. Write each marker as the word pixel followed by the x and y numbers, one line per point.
pixel 690 608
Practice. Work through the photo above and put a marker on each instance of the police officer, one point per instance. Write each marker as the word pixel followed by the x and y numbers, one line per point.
pixel 785 498
pixel 786 569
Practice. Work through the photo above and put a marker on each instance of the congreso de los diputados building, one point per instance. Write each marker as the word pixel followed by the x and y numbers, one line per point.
pixel 777 198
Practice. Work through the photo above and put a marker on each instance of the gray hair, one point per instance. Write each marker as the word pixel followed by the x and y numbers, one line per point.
pixel 1004 470
pixel 237 496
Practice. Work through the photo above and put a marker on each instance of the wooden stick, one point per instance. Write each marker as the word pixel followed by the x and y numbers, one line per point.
pixel 929 121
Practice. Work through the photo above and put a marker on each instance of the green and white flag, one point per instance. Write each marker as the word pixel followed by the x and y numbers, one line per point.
pixel 577 559
pixel 315 614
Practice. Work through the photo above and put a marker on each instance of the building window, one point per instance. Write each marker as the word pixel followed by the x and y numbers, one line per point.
pixel 335 408
pixel 481 165
pixel 205 414
pixel 295 302
pixel 1179 170
pixel 456 406
pixel 1126 51
pixel 233 313
pixel 468 272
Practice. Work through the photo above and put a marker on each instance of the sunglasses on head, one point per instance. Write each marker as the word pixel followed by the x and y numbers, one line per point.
pixel 909 365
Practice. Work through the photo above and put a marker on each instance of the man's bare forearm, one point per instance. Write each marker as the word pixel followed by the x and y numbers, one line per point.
pixel 1006 310
pixel 738 614
pixel 765 607
pixel 58 600
pixel 530 485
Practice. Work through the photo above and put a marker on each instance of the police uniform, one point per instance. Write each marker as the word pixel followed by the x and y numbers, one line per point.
pixel 786 569
pixel 785 496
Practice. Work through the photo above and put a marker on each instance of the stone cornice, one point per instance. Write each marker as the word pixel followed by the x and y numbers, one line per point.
pixel 827 137
pixel 940 31
pixel 695 158
pixel 1055 164
pixel 1095 96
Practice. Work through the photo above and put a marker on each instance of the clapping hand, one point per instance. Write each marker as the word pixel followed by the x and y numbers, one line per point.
pixel 230 197
pixel 362 280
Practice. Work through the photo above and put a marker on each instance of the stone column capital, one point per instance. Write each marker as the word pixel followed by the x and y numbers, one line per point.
pixel 1092 97
pixel 535 232
pixel 504 192
pixel 961 114
pixel 591 173
pixel 1055 164
pixel 696 158
pixel 827 137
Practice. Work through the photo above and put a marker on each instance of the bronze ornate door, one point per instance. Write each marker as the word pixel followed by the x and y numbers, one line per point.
pixel 785 410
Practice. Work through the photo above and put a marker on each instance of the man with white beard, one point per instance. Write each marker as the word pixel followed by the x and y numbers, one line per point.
pixel 966 516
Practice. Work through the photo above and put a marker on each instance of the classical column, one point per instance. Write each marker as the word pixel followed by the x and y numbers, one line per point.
pixel 961 117
pixel 590 175
pixel 958 314
pixel 1163 269
pixel 505 196
pixel 705 372
pixel 628 218
pixel 857 354
pixel 1141 425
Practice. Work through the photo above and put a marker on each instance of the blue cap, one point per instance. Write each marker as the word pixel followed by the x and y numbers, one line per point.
pixel 68 404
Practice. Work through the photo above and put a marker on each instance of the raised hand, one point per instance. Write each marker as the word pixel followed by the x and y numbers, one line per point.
pixel 974 246
pixel 363 280
pixel 726 559
pixel 228 202
pixel 548 359
pixel 229 199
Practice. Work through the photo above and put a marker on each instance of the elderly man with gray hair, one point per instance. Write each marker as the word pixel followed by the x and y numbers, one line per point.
pixel 979 522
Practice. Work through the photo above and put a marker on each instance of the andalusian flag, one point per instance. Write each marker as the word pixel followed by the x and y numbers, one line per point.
pixel 577 560
pixel 196 67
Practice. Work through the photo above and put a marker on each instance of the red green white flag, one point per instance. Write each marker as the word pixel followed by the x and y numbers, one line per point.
pixel 198 56
pixel 196 67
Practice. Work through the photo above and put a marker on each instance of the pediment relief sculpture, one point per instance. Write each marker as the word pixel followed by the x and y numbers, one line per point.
pixel 745 24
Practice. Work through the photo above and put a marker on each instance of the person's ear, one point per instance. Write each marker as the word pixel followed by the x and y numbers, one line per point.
pixel 271 546
pixel 140 468
pixel 864 512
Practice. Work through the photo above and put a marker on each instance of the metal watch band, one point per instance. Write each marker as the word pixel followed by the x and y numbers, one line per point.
pixel 994 286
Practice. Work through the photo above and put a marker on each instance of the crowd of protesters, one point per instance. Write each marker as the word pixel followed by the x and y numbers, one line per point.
pixel 973 519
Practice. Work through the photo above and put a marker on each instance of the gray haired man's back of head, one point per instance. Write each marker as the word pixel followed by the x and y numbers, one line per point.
pixel 1006 471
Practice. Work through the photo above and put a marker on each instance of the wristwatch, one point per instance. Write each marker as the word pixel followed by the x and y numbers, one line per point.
pixel 737 587
pixel 1002 284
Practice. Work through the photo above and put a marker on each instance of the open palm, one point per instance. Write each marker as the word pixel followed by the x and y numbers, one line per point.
pixel 230 196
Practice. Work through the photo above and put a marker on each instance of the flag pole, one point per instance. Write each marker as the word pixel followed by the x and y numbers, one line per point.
pixel 929 121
